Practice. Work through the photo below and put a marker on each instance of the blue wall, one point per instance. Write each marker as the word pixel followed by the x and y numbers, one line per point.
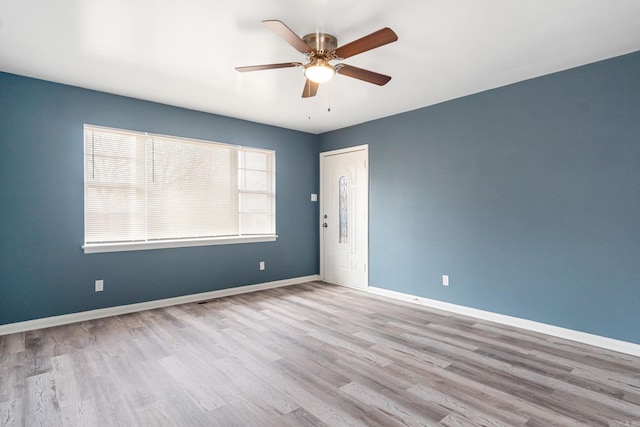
pixel 43 270
pixel 528 196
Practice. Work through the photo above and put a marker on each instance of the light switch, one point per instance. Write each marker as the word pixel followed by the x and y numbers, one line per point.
pixel 314 197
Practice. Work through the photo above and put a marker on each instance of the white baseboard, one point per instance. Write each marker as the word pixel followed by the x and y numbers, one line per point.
pixel 64 319
pixel 556 331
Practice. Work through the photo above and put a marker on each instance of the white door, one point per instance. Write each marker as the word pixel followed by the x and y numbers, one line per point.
pixel 344 224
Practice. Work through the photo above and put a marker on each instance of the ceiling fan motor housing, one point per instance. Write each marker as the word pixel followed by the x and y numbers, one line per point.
pixel 321 43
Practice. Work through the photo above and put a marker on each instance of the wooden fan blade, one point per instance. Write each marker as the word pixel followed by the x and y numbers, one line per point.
pixel 268 66
pixel 362 74
pixel 287 35
pixel 310 89
pixel 372 41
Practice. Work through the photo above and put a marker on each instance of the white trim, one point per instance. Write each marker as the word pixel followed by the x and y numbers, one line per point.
pixel 93 248
pixel 160 135
pixel 83 316
pixel 363 147
pixel 556 331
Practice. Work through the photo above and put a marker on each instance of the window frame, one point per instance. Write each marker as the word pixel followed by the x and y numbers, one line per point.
pixel 134 245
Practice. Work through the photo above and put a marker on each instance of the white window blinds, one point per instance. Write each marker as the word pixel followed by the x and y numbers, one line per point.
pixel 144 188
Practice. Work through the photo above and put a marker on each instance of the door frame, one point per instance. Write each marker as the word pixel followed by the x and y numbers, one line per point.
pixel 323 155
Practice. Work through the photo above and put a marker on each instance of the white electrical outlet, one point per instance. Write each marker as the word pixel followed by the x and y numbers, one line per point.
pixel 314 197
pixel 99 285
pixel 445 280
pixel 261 265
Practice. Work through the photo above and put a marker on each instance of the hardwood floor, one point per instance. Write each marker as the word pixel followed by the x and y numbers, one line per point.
pixel 308 355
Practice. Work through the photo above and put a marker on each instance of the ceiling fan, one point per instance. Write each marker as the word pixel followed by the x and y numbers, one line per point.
pixel 321 48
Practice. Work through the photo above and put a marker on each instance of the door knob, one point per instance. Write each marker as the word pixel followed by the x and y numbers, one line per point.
pixel 324 225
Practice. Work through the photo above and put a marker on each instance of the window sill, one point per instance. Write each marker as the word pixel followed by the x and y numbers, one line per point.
pixel 92 248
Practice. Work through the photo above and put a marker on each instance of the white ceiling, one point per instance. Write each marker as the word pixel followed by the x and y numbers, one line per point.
pixel 183 52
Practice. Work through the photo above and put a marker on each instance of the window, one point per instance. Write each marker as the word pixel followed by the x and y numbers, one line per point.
pixel 343 204
pixel 146 191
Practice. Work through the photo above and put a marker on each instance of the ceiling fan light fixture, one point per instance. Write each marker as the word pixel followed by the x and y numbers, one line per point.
pixel 320 71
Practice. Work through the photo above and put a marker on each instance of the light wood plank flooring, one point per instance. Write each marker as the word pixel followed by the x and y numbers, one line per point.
pixel 309 355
